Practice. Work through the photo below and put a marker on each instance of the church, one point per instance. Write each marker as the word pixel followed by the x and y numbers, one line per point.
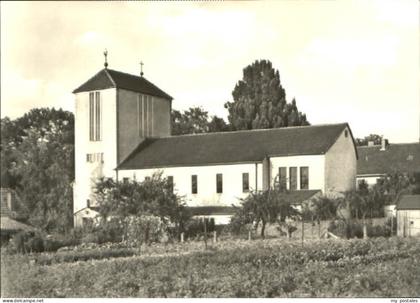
pixel 123 131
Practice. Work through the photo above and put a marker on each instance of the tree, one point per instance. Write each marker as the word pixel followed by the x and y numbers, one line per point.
pixel 153 196
pixel 362 201
pixel 196 120
pixel 268 206
pixel 259 100
pixel 39 162
pixel 320 208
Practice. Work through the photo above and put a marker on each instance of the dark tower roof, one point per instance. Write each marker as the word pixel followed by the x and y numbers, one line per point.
pixel 108 78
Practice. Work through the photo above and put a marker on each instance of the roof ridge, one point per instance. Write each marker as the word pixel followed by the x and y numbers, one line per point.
pixel 256 130
pixel 390 144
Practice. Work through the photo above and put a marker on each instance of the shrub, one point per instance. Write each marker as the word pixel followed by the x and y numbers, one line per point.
pixel 144 229
pixel 194 228
pixel 346 229
pixel 57 241
pixel 27 241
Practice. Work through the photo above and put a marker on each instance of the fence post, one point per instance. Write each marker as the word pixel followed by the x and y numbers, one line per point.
pixel 249 235
pixel 182 237
pixel 214 236
pixel 303 232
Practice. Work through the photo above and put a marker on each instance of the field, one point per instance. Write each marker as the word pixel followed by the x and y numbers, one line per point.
pixel 261 268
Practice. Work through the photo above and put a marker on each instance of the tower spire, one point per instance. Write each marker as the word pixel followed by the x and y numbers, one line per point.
pixel 106 55
pixel 141 68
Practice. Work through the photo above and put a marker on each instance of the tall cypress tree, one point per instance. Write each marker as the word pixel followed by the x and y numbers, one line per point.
pixel 259 100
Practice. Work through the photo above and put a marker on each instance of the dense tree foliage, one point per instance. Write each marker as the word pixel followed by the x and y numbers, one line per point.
pixel 259 100
pixel 195 120
pixel 37 152
pixel 154 196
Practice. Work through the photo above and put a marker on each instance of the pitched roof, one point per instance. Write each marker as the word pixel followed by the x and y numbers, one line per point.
pixel 396 157
pixel 409 202
pixel 108 78
pixel 232 147
pixel 4 208
pixel 299 196
pixel 8 224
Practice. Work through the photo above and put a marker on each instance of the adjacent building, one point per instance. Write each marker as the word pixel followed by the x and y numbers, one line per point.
pixel 408 216
pixel 376 161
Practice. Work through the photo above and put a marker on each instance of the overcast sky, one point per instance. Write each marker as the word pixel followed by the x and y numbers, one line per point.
pixel 343 61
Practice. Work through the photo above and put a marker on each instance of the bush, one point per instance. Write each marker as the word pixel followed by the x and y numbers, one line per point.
pixel 27 241
pixel 194 229
pixel 57 241
pixel 145 229
pixel 346 229
pixel 379 231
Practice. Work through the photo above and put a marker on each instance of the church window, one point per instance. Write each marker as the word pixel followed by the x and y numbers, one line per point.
pixel 194 184
pixel 304 177
pixel 171 183
pixel 95 117
pixel 283 177
pixel 245 182
pixel 219 183
pixel 293 178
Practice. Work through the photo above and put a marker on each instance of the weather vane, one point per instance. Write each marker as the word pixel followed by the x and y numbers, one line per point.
pixel 141 68
pixel 106 62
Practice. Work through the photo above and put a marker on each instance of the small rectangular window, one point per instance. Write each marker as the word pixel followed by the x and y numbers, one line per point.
pixel 245 182
pixel 283 177
pixel 293 178
pixel 219 183
pixel 171 183
pixel 304 177
pixel 194 184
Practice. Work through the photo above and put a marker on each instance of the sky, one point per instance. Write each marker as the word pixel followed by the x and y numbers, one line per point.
pixel 343 61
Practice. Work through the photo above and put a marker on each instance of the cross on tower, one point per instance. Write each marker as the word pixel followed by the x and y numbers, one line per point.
pixel 106 62
pixel 141 69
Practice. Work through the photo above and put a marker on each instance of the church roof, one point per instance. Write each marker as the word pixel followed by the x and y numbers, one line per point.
pixel 232 147
pixel 108 78
pixel 403 158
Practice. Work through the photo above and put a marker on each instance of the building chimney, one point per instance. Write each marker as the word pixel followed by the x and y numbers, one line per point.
pixel 384 144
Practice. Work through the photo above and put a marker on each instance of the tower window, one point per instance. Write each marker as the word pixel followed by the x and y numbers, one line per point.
pixel 95 116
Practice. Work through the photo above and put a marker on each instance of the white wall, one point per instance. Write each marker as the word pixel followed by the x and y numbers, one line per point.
pixel 316 164
pixel 369 179
pixel 341 165
pixel 206 175
pixel 408 223
pixel 83 169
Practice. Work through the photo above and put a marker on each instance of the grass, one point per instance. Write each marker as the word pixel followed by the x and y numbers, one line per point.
pixel 272 268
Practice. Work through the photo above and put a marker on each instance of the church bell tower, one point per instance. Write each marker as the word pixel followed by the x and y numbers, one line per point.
pixel 114 112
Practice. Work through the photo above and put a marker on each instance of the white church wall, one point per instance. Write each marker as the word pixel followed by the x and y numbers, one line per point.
pixel 206 180
pixel 103 153
pixel 315 164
